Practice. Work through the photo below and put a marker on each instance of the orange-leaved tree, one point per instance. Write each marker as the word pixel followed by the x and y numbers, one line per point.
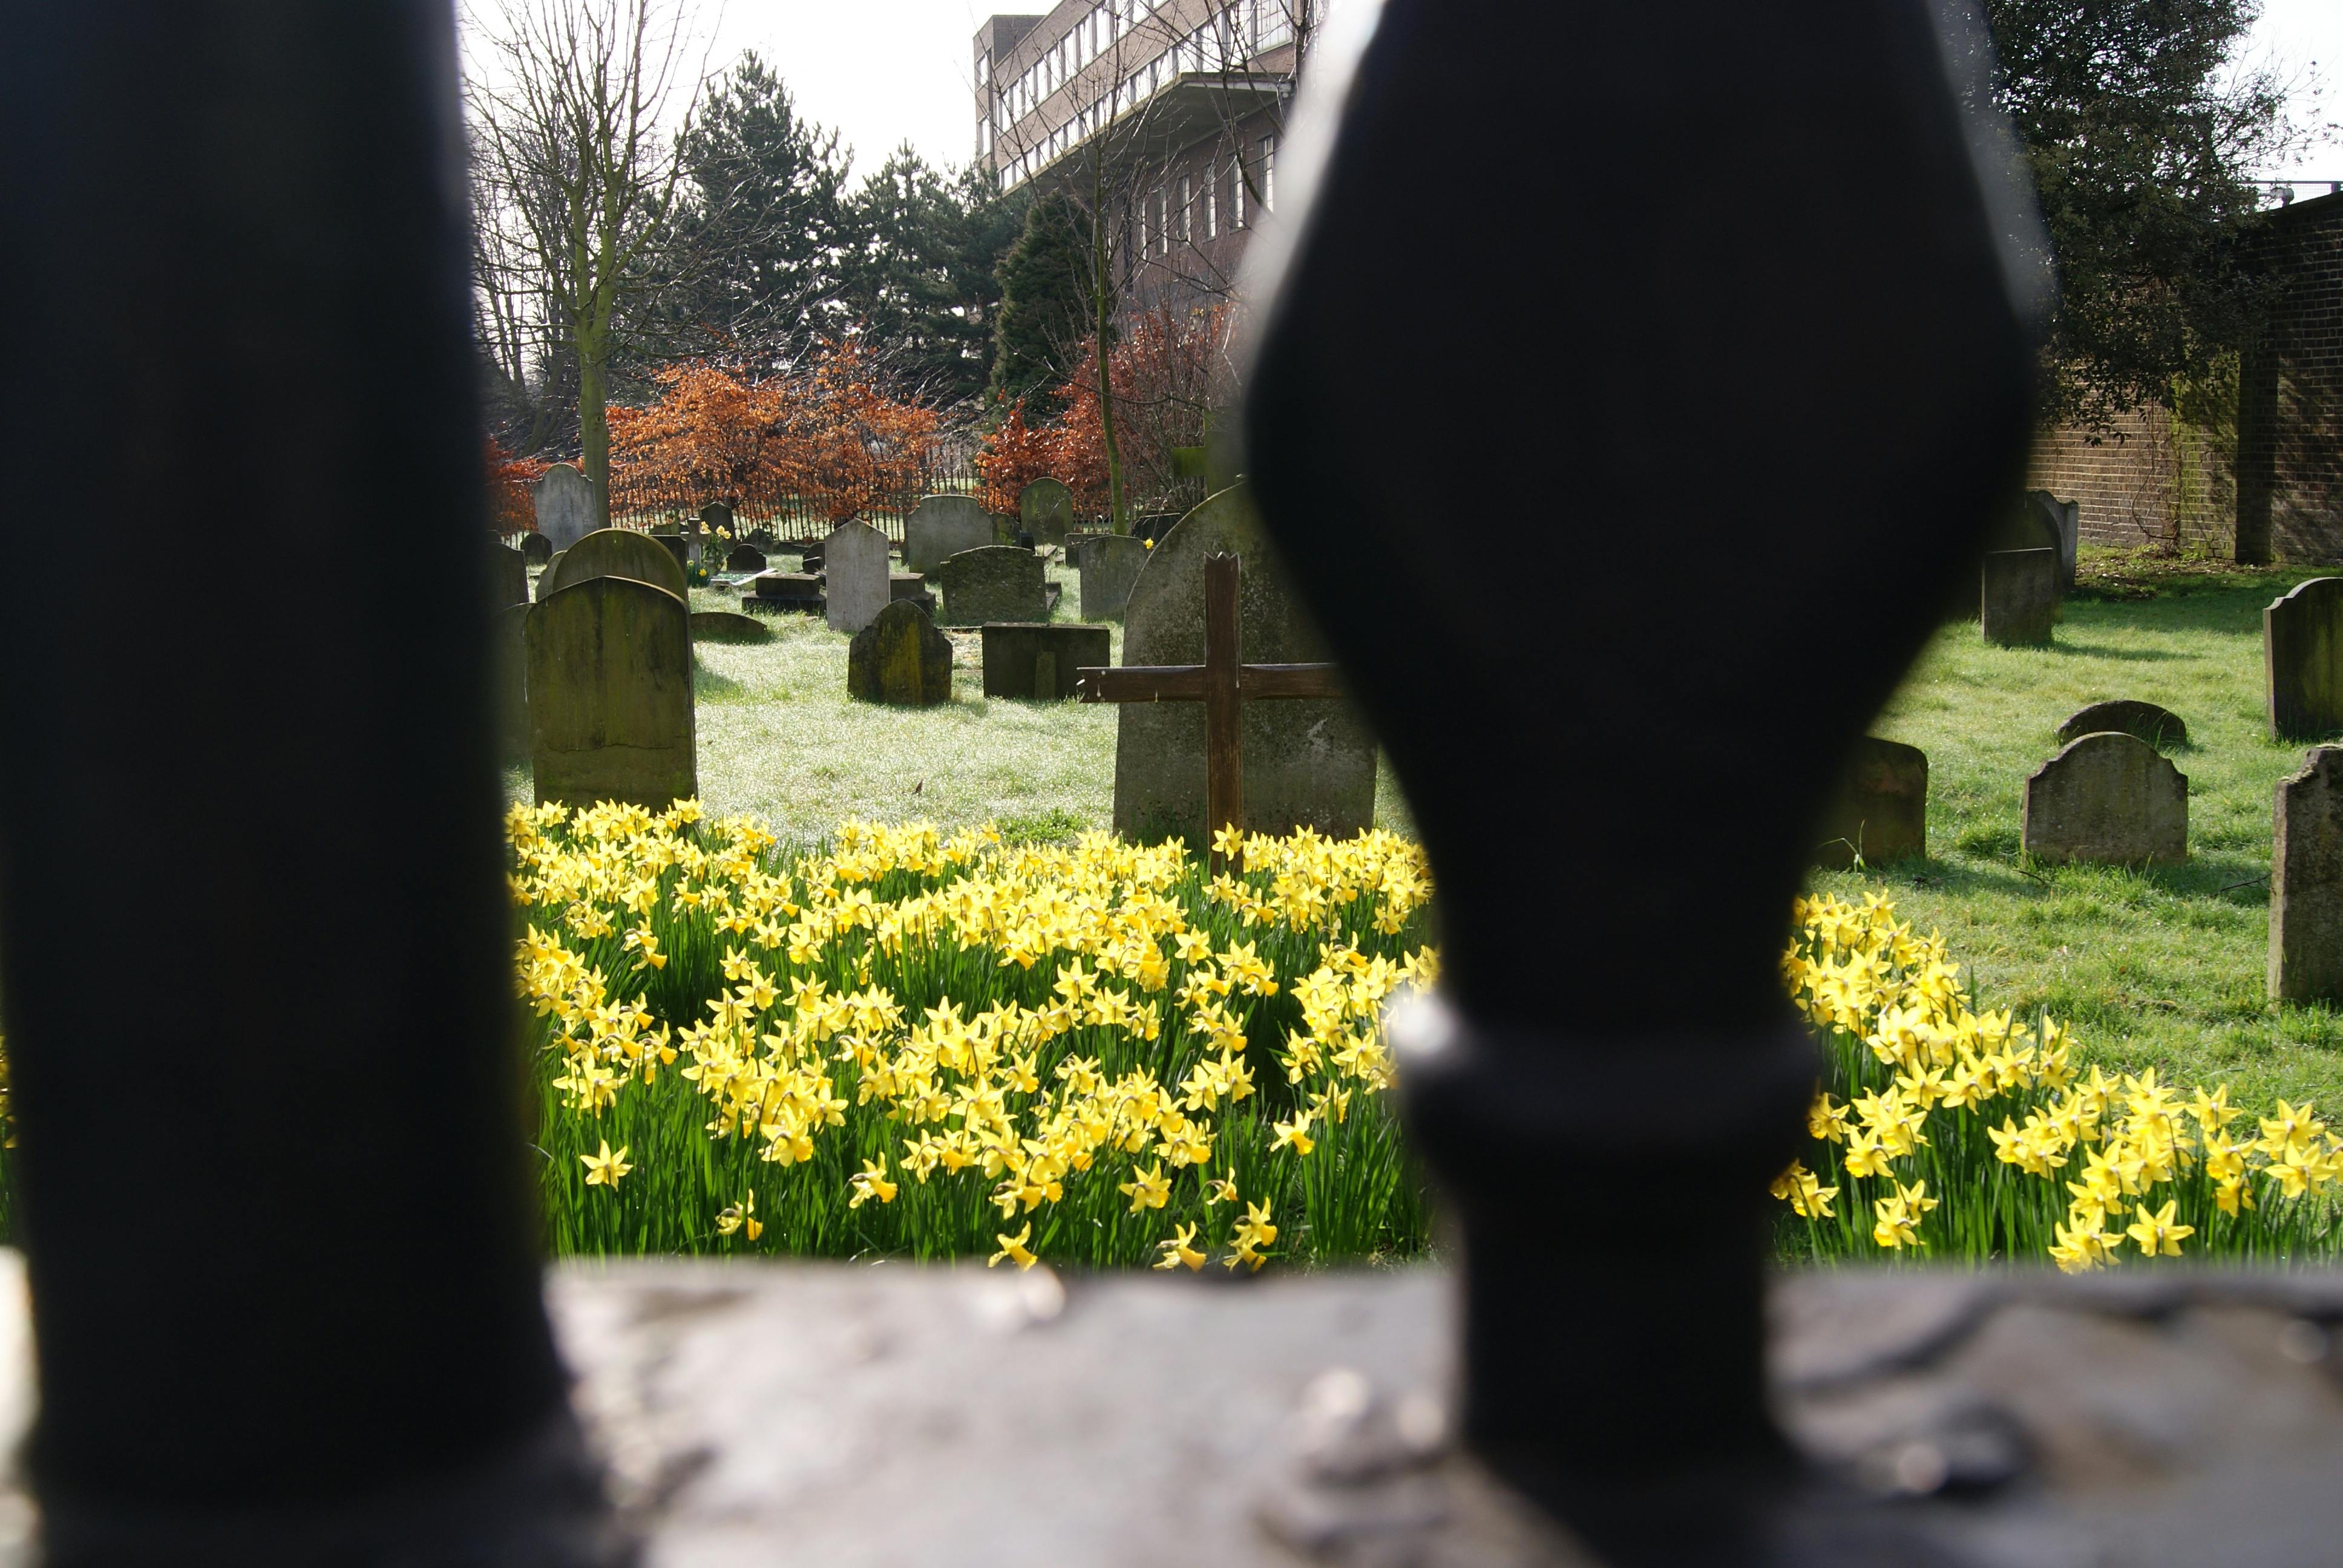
pixel 843 444
pixel 512 496
pixel 705 440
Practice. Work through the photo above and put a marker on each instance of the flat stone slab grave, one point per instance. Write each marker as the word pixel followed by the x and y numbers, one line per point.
pixel 2302 660
pixel 2111 800
pixel 996 583
pixel 2020 598
pixel 1037 660
pixel 1881 808
pixel 508 577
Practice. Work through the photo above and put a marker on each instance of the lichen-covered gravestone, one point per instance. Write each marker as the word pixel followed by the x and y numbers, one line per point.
pixel 1306 763
pixel 2306 938
pixel 1046 511
pixel 2160 726
pixel 2109 798
pixel 2020 597
pixel 998 582
pixel 535 549
pixel 854 576
pixel 616 553
pixel 1110 565
pixel 2302 658
pixel 1881 807
pixel 565 506
pixel 508 577
pixel 941 527
pixel 609 695
pixel 901 658
pixel 1037 659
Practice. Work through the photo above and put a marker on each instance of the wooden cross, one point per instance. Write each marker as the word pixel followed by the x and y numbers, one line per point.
pixel 1223 684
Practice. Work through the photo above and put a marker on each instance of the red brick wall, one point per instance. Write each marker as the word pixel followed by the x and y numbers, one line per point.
pixel 2152 481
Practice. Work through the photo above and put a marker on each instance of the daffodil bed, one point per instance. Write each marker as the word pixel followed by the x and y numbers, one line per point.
pixel 905 1043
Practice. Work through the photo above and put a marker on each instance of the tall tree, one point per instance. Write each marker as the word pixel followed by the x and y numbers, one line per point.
pixel 924 282
pixel 576 167
pixel 1046 305
pixel 2142 126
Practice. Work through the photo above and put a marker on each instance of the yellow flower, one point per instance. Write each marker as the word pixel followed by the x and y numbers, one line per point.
pixel 1826 1121
pixel 1295 1133
pixel 1146 1189
pixel 741 1217
pixel 1012 1248
pixel 1222 1190
pixel 1180 1250
pixel 2157 1233
pixel 871 1182
pixel 604 1170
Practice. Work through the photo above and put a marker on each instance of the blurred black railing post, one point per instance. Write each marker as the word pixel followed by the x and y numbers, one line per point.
pixel 259 1008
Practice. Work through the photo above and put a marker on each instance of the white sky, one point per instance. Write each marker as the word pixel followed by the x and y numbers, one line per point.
pixel 881 72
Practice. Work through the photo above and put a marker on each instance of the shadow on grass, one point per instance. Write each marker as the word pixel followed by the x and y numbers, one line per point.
pixel 2072 650
pixel 707 686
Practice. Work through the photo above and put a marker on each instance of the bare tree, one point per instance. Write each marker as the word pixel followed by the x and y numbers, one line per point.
pixel 578 116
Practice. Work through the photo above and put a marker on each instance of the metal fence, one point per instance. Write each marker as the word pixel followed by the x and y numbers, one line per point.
pixel 948 468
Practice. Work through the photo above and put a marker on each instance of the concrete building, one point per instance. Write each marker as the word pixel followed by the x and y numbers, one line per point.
pixel 1164 115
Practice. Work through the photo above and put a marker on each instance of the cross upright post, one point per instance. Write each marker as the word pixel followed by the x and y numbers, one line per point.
pixel 1224 683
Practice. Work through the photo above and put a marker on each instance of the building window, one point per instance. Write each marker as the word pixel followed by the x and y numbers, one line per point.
pixel 1268 173
pixel 1187 211
pixel 1236 191
pixel 1163 220
pixel 1212 202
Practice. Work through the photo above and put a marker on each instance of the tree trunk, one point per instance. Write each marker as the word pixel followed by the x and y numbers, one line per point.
pixel 1101 317
pixel 594 418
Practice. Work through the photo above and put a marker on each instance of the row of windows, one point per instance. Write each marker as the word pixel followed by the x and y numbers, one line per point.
pixel 1180 213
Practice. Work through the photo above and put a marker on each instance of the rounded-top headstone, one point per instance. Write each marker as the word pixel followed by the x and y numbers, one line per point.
pixel 901 658
pixel 1881 809
pixel 2110 799
pixel 2160 726
pixel 940 527
pixel 727 625
pixel 535 549
pixel 2302 659
pixel 745 558
pixel 610 694
pixel 545 577
pixel 565 506
pixel 1308 763
pixel 1046 509
pixel 617 553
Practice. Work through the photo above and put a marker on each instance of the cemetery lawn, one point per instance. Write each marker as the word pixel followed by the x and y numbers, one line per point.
pixel 2162 967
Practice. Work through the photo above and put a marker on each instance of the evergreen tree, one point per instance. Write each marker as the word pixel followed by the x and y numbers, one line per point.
pixel 1045 306
pixel 923 283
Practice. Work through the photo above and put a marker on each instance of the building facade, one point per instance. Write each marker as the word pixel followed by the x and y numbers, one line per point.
pixel 1161 116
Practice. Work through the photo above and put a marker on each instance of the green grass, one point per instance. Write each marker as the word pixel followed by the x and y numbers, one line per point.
pixel 2164 967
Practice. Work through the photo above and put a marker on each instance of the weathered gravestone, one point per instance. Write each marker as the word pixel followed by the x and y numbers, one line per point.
pixel 911 585
pixel 2302 660
pixel 535 549
pixel 901 658
pixel 2306 936
pixel 508 655
pixel 2064 520
pixel 565 506
pixel 2160 726
pixel 1306 763
pixel 940 527
pixel 1038 659
pixel 1881 807
pixel 2109 798
pixel 616 553
pixel 998 582
pixel 784 593
pixel 1110 565
pixel 545 577
pixel 745 558
pixel 609 689
pixel 2020 597
pixel 854 565
pixel 1045 508
pixel 508 577
pixel 716 517
pixel 670 536
pixel 727 625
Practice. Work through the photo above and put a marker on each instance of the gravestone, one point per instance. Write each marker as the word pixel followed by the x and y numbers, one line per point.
pixel 1881 806
pixel 1306 763
pixel 535 549
pixel 2111 800
pixel 2063 519
pixel 2306 938
pixel 565 506
pixel 1110 565
pixel 2160 726
pixel 671 536
pixel 911 585
pixel 745 558
pixel 1150 529
pixel 2020 597
pixel 717 518
pixel 941 527
pixel 1038 659
pixel 545 577
pixel 509 651
pixel 900 660
pixel 784 593
pixel 854 565
pixel 1046 511
pixel 610 694
pixel 616 553
pixel 2302 660
pixel 996 582
pixel 727 625
pixel 508 577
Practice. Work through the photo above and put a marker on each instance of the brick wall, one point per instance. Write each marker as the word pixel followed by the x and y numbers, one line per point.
pixel 2152 481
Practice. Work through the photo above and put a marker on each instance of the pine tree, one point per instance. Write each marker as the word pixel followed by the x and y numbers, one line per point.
pixel 1045 306
pixel 923 283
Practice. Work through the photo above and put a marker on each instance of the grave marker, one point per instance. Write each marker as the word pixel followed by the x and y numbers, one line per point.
pixel 900 660
pixel 745 558
pixel 2302 660
pixel 610 694
pixel 1045 508
pixel 784 593
pixel 508 655
pixel 2109 800
pixel 535 549
pixel 565 506
pixel 508 577
pixel 2064 522
pixel 716 517
pixel 545 577
pixel 2020 597
pixel 941 527
pixel 1110 565
pixel 1305 763
pixel 1881 807
pixel 727 625
pixel 854 563
pixel 616 553
pixel 1038 659
pixel 998 582
pixel 2160 726
pixel 2306 940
